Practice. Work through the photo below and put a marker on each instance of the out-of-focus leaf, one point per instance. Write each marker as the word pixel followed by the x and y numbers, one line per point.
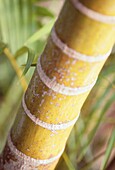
pixel 108 150
pixel 16 68
pixel 21 51
pixel 8 110
pixel 42 11
pixel 87 165
pixel 108 70
pixel 41 32
pixel 30 59
pixel 92 133
pixel 68 162
pixel 94 108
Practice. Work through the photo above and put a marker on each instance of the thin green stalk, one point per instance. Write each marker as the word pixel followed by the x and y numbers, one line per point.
pixel 68 162
pixel 104 110
pixel 16 68
pixel 110 146
pixel 91 162
pixel 94 108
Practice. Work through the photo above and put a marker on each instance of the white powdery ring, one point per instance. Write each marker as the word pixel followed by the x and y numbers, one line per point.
pixel 27 159
pixel 75 54
pixel 52 127
pixel 52 84
pixel 93 14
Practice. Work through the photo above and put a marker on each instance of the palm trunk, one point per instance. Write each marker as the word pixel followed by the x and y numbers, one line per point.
pixel 66 72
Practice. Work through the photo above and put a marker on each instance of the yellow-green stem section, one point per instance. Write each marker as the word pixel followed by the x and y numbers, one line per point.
pixel 86 36
pixel 16 68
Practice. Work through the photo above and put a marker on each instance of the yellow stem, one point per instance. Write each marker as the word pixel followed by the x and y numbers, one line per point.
pixel 16 68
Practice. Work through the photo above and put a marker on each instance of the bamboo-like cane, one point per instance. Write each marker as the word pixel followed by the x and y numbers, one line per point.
pixel 77 49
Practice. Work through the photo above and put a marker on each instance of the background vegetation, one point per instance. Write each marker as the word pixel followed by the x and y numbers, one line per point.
pixel 24 28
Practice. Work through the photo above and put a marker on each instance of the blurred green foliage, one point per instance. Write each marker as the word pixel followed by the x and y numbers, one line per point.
pixel 23 30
